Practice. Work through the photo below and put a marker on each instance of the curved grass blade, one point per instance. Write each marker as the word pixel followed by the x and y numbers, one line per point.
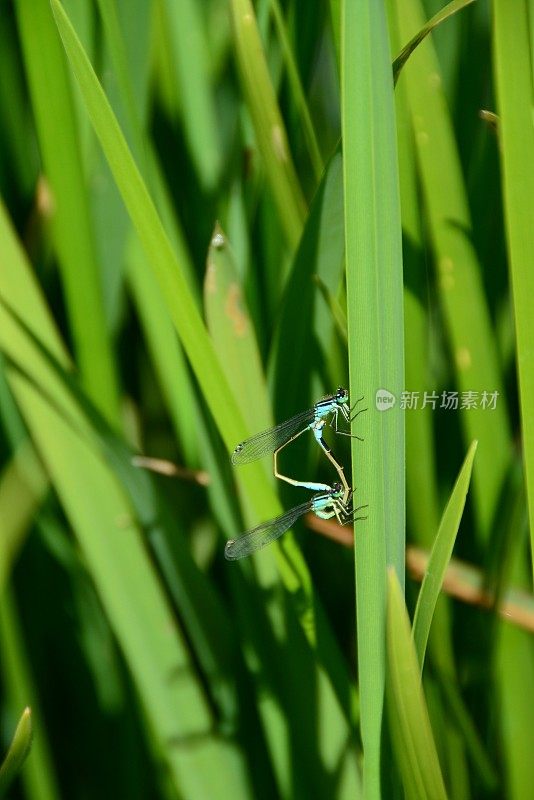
pixel 440 556
pixel 443 14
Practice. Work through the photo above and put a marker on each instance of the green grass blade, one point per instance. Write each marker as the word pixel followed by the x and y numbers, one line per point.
pixel 440 556
pixel 267 121
pixel 458 271
pixel 374 284
pixel 18 751
pixel 416 754
pixel 447 11
pixel 513 69
pixel 72 224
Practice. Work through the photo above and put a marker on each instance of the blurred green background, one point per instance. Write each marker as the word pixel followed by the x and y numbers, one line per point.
pixel 212 214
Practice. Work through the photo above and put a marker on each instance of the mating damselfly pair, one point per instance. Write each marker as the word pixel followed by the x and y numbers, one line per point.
pixel 330 501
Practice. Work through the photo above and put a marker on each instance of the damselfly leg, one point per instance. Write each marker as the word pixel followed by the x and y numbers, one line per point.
pixel 349 417
pixel 318 433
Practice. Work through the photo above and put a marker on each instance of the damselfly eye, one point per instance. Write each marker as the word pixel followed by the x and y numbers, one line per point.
pixel 341 394
pixel 336 488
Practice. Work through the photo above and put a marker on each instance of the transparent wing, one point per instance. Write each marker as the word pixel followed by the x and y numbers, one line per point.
pixel 270 440
pixel 265 533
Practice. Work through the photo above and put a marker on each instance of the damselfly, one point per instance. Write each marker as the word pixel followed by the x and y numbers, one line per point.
pixel 273 440
pixel 325 505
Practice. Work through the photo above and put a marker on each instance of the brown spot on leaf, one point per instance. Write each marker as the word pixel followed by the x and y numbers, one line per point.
pixel 234 310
